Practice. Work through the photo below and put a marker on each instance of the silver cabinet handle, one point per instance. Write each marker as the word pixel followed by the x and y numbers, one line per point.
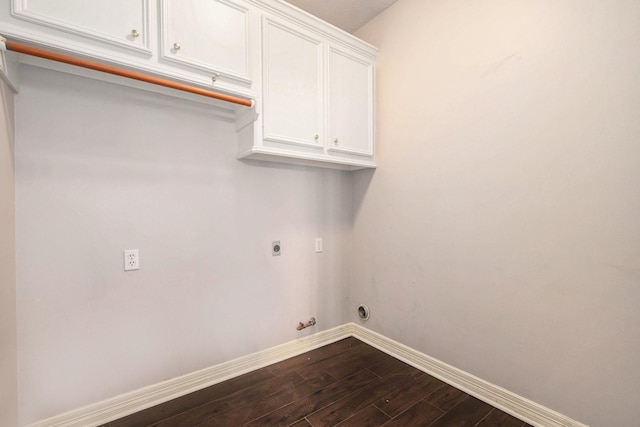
pixel 214 78
pixel 316 137
pixel 135 33
pixel 335 141
pixel 176 46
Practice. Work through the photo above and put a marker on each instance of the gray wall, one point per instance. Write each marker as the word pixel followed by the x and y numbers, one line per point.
pixel 102 168
pixel 500 231
pixel 8 338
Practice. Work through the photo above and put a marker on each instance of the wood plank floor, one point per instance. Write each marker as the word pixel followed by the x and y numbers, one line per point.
pixel 347 383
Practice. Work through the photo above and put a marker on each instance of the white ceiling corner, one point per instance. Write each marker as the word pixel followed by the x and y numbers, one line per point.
pixel 348 15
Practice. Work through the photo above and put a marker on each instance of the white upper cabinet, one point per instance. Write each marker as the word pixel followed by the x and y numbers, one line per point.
pixel 123 23
pixel 211 35
pixel 311 85
pixel 350 81
pixel 292 85
pixel 208 43
pixel 317 98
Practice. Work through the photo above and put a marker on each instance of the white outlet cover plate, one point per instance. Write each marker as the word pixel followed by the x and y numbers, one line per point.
pixel 131 260
pixel 318 244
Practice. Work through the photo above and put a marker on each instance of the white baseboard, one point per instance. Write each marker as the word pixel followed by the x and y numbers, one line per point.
pixel 511 403
pixel 129 403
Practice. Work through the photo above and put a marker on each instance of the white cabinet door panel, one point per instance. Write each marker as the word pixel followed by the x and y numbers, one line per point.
pixel 119 22
pixel 292 85
pixel 350 103
pixel 212 35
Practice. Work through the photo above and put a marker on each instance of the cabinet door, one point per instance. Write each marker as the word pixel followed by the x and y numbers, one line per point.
pixel 123 23
pixel 211 35
pixel 292 85
pixel 350 81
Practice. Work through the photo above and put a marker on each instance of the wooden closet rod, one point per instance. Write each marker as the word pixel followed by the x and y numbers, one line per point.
pixel 41 53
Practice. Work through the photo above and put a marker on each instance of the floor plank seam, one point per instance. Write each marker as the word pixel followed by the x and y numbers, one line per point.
pixel 343 397
pixel 383 411
pixel 485 417
pixel 411 407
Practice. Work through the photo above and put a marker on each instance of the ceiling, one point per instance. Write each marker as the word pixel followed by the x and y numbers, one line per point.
pixel 348 15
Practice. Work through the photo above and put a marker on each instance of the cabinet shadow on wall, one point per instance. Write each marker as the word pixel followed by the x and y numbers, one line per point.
pixel 360 182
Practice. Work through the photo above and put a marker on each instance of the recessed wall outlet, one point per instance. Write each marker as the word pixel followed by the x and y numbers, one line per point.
pixel 318 244
pixel 276 249
pixel 363 312
pixel 131 260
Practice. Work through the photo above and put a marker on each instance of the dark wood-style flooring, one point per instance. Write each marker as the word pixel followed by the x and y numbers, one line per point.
pixel 347 383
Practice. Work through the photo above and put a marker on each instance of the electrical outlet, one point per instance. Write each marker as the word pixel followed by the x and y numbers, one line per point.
pixel 131 260
pixel 318 245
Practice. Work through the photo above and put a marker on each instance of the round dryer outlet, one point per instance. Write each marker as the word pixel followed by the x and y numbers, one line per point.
pixel 363 312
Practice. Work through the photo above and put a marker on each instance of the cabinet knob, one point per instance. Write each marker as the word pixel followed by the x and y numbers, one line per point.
pixel 335 141
pixel 135 33
pixel 316 137
pixel 176 46
pixel 214 78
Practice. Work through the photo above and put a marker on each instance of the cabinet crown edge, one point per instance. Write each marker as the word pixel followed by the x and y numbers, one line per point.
pixel 331 32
